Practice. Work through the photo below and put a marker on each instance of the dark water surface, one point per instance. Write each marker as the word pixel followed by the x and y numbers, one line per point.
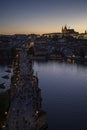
pixel 64 93
pixel 6 81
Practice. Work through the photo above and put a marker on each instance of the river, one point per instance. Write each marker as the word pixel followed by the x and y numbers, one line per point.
pixel 4 72
pixel 64 94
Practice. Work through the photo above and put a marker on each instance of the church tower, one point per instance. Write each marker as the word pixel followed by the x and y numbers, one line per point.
pixel 64 30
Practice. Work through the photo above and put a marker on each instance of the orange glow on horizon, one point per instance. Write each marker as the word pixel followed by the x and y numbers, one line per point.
pixel 40 30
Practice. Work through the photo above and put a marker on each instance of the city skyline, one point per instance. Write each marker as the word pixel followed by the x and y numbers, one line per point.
pixel 30 16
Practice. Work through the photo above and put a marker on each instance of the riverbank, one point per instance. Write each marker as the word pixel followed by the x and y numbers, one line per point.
pixel 4 106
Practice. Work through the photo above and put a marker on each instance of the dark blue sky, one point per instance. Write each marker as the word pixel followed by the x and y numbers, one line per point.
pixel 40 16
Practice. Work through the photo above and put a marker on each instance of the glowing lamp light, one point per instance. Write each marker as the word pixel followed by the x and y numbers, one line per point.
pixel 3 126
pixel 6 113
pixel 17 55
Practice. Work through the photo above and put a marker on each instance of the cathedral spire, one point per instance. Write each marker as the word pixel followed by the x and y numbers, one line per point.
pixel 62 29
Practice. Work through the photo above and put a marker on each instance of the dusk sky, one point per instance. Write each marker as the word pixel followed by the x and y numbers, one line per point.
pixel 42 16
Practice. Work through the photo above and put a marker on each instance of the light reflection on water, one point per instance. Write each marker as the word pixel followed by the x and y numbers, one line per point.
pixel 64 92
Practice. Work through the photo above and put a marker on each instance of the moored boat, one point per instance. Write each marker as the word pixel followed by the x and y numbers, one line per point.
pixel 5 77
pixel 2 86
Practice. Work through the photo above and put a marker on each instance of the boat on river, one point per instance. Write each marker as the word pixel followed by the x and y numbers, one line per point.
pixel 9 71
pixel 2 86
pixel 5 77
